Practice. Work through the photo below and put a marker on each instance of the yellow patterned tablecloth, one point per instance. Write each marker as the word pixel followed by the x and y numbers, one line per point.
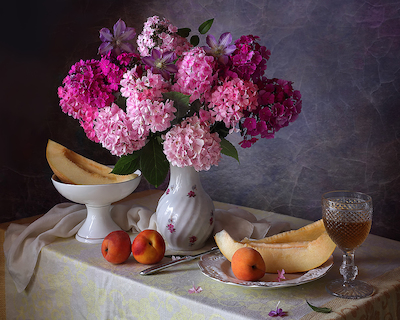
pixel 73 281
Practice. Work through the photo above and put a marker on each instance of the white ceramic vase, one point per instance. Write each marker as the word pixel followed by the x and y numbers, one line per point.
pixel 185 212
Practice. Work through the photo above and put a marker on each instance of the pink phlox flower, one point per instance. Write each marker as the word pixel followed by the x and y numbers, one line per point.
pixel 149 86
pixel 204 116
pixel 229 101
pixel 85 90
pixel 195 289
pixel 116 133
pixel 162 63
pixel 250 59
pixel 278 105
pixel 281 275
pixel 221 49
pixel 278 312
pixel 112 72
pixel 144 103
pixel 160 34
pixel 157 116
pixel 195 76
pixel 128 58
pixel 247 143
pixel 191 144
pixel 117 42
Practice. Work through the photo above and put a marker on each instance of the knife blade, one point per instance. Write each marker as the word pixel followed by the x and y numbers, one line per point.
pixel 159 267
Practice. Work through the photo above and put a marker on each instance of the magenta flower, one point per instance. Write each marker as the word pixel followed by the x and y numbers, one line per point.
pixel 281 275
pixel 221 49
pixel 248 143
pixel 161 63
pixel 195 289
pixel 117 42
pixel 278 312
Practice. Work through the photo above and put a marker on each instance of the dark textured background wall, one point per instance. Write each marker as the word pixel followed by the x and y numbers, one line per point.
pixel 342 55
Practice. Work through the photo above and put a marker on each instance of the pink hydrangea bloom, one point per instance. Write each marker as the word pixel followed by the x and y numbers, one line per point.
pixel 116 131
pixel 144 104
pixel 161 34
pixel 195 75
pixel 191 144
pixel 149 86
pixel 155 115
pixel 228 101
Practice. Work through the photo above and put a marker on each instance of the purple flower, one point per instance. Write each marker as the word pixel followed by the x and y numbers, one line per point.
pixel 222 49
pixel 278 312
pixel 117 43
pixel 161 63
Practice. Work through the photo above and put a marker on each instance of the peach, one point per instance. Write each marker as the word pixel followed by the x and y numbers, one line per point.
pixel 248 264
pixel 116 247
pixel 148 247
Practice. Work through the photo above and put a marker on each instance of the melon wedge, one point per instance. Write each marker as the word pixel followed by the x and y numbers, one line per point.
pixel 73 168
pixel 295 251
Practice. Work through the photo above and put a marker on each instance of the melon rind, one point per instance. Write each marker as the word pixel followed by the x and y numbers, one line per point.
pixel 73 168
pixel 294 251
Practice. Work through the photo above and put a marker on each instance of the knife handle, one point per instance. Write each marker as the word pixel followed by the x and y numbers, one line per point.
pixel 159 267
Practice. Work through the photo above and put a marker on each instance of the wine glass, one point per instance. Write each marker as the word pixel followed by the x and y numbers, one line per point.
pixel 347 218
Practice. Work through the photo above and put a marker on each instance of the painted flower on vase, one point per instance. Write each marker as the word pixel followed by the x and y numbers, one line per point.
pixel 192 240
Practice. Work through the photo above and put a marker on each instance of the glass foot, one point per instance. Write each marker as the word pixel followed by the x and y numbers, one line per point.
pixel 355 289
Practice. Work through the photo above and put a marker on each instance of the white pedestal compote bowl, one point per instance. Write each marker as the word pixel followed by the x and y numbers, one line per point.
pixel 98 200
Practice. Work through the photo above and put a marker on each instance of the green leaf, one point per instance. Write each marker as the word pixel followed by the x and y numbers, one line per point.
pixel 205 26
pixel 321 310
pixel 194 40
pixel 127 164
pixel 178 98
pixel 228 149
pixel 195 107
pixel 153 163
pixel 220 127
pixel 181 104
pixel 183 32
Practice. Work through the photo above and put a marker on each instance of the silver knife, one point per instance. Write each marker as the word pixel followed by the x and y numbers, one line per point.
pixel 175 262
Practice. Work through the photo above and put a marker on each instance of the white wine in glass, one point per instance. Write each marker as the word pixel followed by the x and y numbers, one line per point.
pixel 347 218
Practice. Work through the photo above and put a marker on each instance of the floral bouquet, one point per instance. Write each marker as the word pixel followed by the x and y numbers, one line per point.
pixel 170 101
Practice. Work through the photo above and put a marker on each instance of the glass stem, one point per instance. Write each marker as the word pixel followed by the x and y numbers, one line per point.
pixel 348 270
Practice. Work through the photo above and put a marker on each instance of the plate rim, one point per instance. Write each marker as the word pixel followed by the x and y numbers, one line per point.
pixel 327 265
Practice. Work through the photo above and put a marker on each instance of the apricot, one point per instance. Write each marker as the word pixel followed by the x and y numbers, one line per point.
pixel 148 247
pixel 295 251
pixel 248 264
pixel 116 247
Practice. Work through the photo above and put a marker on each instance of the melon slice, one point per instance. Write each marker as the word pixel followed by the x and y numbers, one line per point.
pixel 295 251
pixel 73 168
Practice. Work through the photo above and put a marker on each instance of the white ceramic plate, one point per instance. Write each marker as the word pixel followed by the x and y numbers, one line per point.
pixel 217 267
